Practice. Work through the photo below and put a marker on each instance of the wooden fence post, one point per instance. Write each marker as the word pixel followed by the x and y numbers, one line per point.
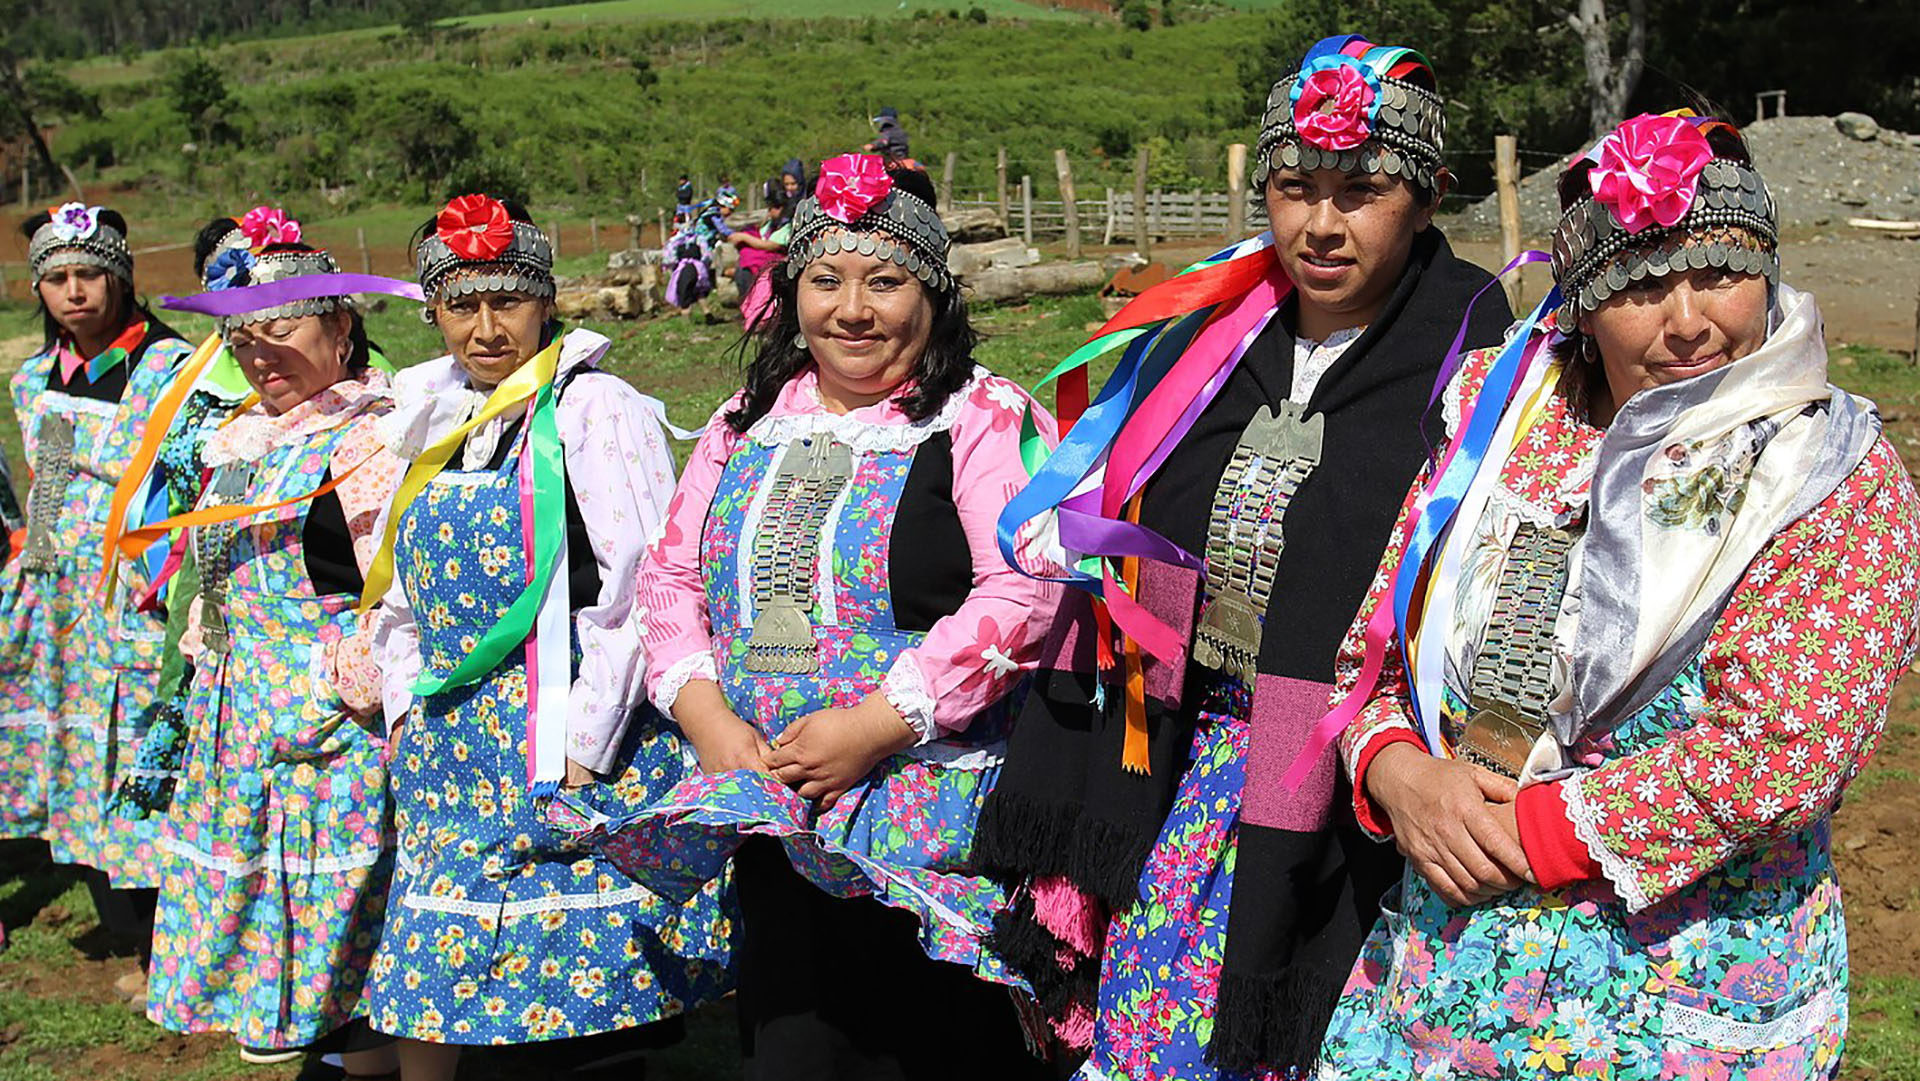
pixel 1142 238
pixel 946 180
pixel 1000 172
pixel 1112 214
pixel 593 232
pixel 1236 192
pixel 1064 169
pixel 1026 209
pixel 555 237
pixel 1153 221
pixel 366 257
pixel 1506 178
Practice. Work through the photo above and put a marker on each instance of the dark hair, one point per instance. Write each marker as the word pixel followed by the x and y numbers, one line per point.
pixel 207 240
pixel 942 369
pixel 131 306
pixel 914 182
pixel 1577 367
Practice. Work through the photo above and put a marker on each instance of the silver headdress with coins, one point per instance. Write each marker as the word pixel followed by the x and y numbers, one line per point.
pixel 276 266
pixel 477 248
pixel 1356 107
pixel 1654 220
pixel 855 207
pixel 77 237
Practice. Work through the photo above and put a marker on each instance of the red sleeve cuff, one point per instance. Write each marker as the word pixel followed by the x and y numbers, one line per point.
pixel 1554 851
pixel 1373 817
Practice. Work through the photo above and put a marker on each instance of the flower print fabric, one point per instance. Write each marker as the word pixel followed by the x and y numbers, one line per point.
pixel 279 830
pixel 77 676
pixel 500 930
pixel 902 835
pixel 1705 937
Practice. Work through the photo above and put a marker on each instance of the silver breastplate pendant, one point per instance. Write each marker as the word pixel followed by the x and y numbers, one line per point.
pixel 52 472
pixel 1513 672
pixel 1274 456
pixel 213 554
pixel 812 474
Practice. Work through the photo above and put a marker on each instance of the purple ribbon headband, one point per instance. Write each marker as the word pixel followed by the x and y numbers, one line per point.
pixel 221 303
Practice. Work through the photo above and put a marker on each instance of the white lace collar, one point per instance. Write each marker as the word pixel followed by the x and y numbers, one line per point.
pixel 879 428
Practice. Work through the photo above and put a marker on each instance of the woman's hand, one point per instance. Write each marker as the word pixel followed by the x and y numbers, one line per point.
pixel 827 752
pixel 721 740
pixel 1454 822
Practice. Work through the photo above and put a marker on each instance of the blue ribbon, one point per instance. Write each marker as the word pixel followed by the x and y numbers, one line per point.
pixel 1475 442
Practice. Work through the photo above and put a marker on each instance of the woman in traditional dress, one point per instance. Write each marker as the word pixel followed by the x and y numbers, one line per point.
pixel 512 669
pixel 1141 810
pixel 835 631
pixel 168 474
pixel 1675 589
pixel 279 827
pixel 77 672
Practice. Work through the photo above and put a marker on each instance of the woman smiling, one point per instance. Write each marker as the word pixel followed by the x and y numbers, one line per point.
pixel 838 636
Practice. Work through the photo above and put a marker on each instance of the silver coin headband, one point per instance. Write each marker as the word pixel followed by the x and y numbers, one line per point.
pixel 1403 136
pixel 900 229
pixel 274 266
pixel 523 265
pixel 1732 223
pixel 77 237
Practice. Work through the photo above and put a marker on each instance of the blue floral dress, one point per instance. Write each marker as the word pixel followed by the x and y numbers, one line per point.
pixel 500 930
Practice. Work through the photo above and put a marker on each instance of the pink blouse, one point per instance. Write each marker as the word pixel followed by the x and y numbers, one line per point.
pixel 968 658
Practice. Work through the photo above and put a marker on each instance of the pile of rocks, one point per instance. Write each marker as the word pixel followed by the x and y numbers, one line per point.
pixel 1822 170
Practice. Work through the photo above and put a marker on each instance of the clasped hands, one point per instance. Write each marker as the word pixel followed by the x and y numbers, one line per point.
pixel 820 756
pixel 1454 821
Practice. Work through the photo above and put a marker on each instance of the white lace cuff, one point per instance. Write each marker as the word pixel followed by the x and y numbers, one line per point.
pixel 1586 826
pixel 905 689
pixel 696 665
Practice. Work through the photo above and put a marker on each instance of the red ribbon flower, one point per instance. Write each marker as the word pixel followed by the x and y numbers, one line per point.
pixel 264 225
pixel 1333 107
pixel 1649 169
pixel 476 227
pixel 852 184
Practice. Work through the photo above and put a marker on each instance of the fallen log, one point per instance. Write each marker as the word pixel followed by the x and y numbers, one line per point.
pixel 1048 279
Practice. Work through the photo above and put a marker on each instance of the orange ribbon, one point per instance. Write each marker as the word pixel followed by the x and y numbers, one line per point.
pixel 135 541
pixel 1133 750
pixel 141 465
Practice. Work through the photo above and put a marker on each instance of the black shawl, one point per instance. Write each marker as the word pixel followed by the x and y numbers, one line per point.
pixel 1304 897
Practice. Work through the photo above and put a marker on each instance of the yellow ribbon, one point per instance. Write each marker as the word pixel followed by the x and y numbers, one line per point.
pixel 524 383
pixel 140 467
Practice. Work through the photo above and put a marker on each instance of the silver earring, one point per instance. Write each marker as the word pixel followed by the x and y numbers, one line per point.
pixel 800 342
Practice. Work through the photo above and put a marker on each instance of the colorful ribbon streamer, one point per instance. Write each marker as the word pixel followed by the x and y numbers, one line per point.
pixel 1432 513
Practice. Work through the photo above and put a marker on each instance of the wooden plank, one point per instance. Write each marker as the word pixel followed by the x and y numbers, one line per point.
pixel 1141 238
pixel 1000 174
pixel 946 178
pixel 1506 179
pixel 1026 208
pixel 1236 191
pixel 1063 169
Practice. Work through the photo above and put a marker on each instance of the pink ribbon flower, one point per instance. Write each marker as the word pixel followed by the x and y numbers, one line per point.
pixel 852 184
pixel 1649 169
pixel 76 221
pixel 1333 108
pixel 264 225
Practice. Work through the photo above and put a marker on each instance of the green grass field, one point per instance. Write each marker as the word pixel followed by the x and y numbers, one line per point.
pixel 631 10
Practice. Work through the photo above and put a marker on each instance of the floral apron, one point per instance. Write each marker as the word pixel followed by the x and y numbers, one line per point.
pixel 278 833
pixel 900 836
pixel 501 931
pixel 76 676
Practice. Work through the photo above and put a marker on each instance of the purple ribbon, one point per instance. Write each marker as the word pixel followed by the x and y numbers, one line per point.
pixel 252 298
